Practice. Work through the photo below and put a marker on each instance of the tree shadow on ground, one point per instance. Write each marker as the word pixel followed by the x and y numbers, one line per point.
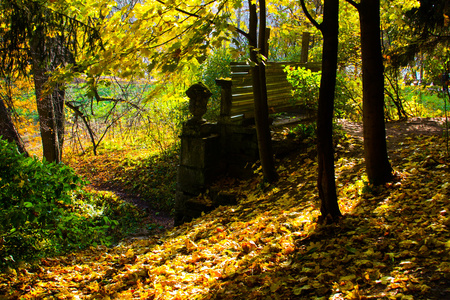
pixel 391 242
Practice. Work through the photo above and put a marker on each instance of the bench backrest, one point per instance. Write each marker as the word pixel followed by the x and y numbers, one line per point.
pixel 279 90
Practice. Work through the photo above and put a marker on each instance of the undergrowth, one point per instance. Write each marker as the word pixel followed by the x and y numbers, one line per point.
pixel 45 210
pixel 148 175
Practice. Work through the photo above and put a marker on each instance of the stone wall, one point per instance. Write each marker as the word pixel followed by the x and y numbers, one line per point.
pixel 209 151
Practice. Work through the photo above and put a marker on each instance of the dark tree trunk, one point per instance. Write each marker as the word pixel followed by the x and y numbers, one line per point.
pixel 326 177
pixel 50 106
pixel 47 117
pixel 305 47
pixel 378 168
pixel 8 130
pixel 326 181
pixel 260 90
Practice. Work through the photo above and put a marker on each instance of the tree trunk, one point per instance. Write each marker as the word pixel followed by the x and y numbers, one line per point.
pixel 260 91
pixel 58 99
pixel 50 106
pixel 8 130
pixel 326 178
pixel 378 168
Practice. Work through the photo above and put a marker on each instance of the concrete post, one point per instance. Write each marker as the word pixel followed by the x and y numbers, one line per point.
pixel 225 99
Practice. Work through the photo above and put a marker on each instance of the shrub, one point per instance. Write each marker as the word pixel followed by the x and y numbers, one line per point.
pixel 216 66
pixel 304 131
pixel 45 211
pixel 306 85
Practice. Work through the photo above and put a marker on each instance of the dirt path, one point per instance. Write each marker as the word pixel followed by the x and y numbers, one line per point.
pixel 397 131
pixel 155 222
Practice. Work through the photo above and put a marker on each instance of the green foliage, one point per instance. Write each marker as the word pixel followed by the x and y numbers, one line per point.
pixel 44 211
pixel 160 182
pixel 156 178
pixel 424 101
pixel 149 174
pixel 305 85
pixel 348 97
pixel 307 132
pixel 172 113
pixel 216 66
pixel 304 131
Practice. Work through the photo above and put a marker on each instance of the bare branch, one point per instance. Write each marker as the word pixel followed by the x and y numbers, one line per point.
pixel 117 100
pixel 79 113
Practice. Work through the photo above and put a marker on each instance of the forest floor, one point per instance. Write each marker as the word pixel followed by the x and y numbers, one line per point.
pixel 392 242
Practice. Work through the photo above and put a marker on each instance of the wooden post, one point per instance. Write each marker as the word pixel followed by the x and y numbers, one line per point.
pixel 225 99
pixel 267 36
pixel 305 47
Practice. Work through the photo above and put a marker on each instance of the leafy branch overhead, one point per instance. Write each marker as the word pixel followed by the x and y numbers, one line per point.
pixel 168 35
pixel 59 20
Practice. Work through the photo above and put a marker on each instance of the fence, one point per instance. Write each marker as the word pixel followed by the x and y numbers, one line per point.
pixel 237 96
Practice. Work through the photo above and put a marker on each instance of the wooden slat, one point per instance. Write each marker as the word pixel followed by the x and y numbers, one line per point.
pixel 282 85
pixel 241 98
pixel 276 100
pixel 279 90
pixel 274 85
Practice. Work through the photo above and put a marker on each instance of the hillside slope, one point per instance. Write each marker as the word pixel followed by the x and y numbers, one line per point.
pixel 392 243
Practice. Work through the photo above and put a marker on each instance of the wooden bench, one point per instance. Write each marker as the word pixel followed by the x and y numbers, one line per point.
pixel 237 93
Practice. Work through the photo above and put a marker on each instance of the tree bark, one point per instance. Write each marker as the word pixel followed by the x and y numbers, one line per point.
pixel 326 181
pixel 306 36
pixel 50 106
pixel 325 150
pixel 378 168
pixel 260 90
pixel 8 130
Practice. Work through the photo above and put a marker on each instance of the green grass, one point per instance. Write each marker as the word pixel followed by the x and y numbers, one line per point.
pixel 425 102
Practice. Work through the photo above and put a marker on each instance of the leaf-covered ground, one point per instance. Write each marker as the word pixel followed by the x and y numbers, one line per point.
pixel 136 175
pixel 392 243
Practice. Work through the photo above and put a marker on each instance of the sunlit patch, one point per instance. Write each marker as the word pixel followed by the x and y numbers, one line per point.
pixel 389 242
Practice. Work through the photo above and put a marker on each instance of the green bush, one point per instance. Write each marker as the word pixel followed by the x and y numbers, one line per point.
pixel 215 67
pixel 306 85
pixel 304 131
pixel 348 97
pixel 157 178
pixel 44 210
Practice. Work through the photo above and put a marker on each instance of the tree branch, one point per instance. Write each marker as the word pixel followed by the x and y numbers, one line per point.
pixel 353 3
pixel 240 31
pixel 308 15
pixel 79 113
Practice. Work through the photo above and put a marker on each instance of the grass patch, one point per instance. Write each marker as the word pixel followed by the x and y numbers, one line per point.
pixel 424 102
